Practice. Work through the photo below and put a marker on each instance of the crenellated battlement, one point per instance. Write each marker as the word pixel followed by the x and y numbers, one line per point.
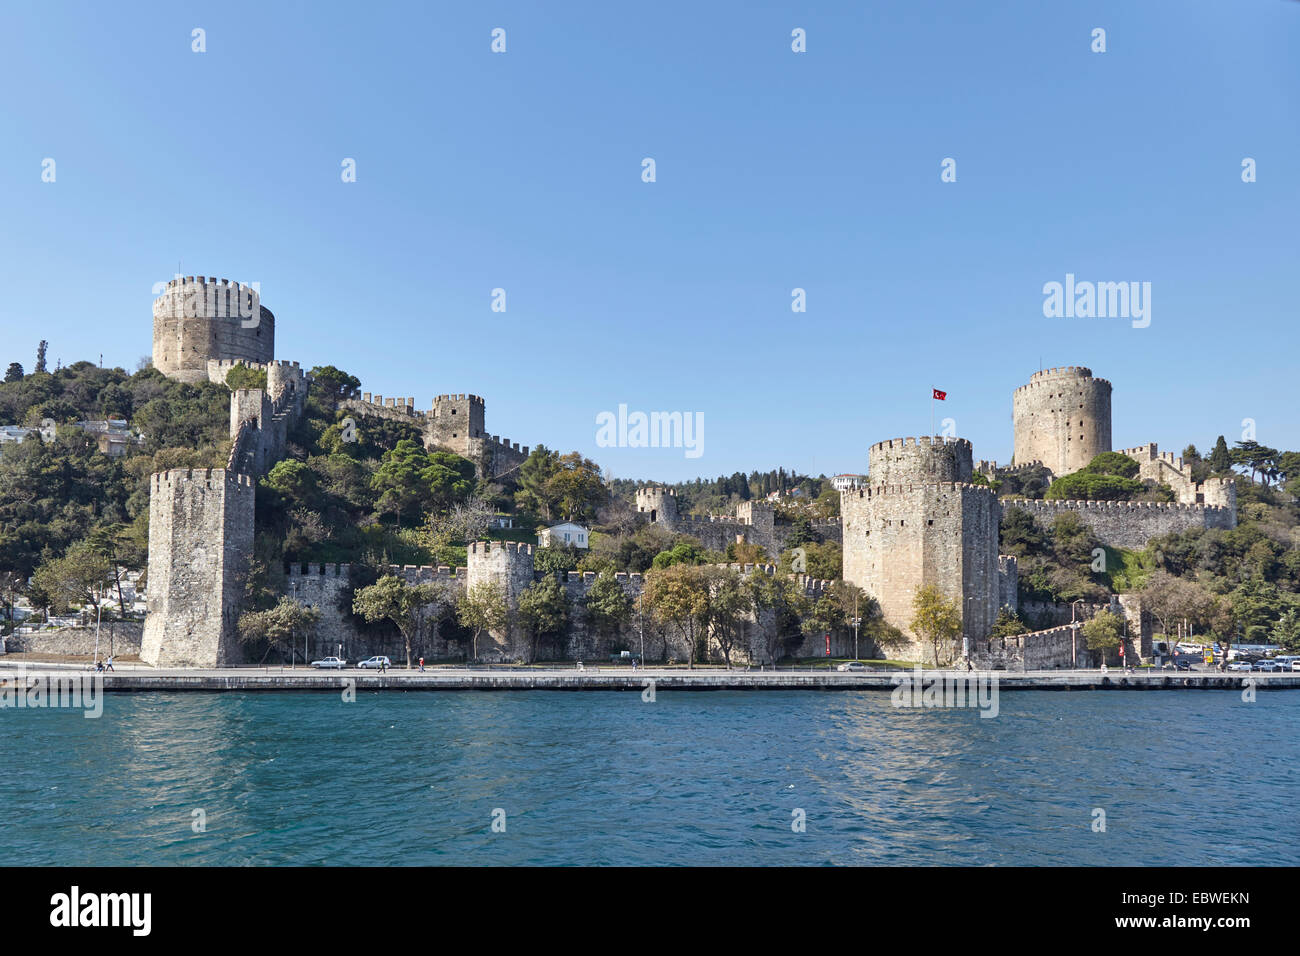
pixel 1058 504
pixel 992 467
pixel 1052 377
pixel 165 481
pixel 485 548
pixel 925 441
pixel 880 491
pixel 413 573
pixel 462 397
pixel 928 458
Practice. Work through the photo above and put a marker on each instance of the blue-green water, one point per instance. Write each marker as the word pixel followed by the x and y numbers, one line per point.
pixel 1194 777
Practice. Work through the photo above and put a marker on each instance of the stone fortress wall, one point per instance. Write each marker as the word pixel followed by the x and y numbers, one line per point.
pixel 917 520
pixel 1061 418
pixel 1164 467
pixel 755 522
pixel 1129 524
pixel 899 537
pixel 201 520
pixel 328 587
pixel 200 542
pixel 456 422
pixel 199 319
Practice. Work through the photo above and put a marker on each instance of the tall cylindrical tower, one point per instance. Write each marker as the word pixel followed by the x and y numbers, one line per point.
pixel 901 461
pixel 197 319
pixel 1061 418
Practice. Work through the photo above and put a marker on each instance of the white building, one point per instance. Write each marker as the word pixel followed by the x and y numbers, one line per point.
pixel 562 534
pixel 848 482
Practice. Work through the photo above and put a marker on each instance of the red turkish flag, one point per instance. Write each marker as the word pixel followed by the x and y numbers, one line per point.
pixel 940 395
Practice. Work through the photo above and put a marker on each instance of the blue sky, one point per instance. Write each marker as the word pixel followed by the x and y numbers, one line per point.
pixel 775 170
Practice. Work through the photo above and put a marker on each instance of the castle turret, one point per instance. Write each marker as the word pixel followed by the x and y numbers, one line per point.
pixel 1062 418
pixel 925 525
pixel 900 461
pixel 200 544
pixel 509 565
pixel 659 505
pixel 456 421
pixel 199 319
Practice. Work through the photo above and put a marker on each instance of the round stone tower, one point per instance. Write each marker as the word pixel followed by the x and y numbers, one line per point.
pixel 920 522
pixel 658 504
pixel 197 319
pixel 1061 418
pixel 900 461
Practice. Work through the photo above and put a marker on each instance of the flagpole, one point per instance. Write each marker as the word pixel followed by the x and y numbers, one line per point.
pixel 931 411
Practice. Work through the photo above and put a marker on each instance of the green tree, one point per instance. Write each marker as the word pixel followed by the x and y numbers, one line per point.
pixel 14 373
pixel 535 493
pixel 408 606
pixel 333 385
pixel 1103 632
pixel 242 376
pixel 1008 624
pixel 279 626
pixel 936 619
pixel 1287 630
pixel 555 559
pixel 543 610
pixel 684 551
pixel 75 580
pixel 483 608
pixel 731 603
pixel 607 606
pixel 1221 458
pixel 678 597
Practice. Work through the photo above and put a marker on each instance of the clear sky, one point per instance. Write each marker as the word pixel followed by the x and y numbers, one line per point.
pixel 775 170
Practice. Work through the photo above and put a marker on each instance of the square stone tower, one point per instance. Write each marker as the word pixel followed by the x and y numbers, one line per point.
pixel 200 543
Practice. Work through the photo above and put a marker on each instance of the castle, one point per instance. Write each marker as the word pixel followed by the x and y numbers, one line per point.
pixel 754 522
pixel 919 518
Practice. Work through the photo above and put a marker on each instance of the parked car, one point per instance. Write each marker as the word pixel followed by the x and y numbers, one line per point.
pixel 1295 665
pixel 852 666
pixel 1184 662
pixel 329 663
pixel 1269 666
pixel 1240 666
pixel 374 663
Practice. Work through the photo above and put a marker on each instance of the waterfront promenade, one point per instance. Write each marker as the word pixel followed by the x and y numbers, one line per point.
pixel 141 678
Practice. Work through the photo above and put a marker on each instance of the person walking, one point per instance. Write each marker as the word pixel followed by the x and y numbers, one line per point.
pixel 108 664
pixel 421 665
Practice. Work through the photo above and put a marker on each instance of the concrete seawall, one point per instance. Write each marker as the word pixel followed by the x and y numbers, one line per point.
pixel 147 680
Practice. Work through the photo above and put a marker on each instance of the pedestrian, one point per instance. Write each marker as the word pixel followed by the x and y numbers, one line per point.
pixel 108 664
pixel 421 665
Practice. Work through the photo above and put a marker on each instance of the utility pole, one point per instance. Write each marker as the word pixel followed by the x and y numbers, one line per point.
pixel 641 619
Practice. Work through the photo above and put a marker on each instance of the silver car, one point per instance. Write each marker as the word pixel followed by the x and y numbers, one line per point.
pixel 329 663
pixel 375 663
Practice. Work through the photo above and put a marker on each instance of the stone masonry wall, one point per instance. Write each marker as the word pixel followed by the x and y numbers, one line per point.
pixel 897 538
pixel 1062 418
pixel 200 542
pixel 1129 524
pixel 119 638
pixel 197 319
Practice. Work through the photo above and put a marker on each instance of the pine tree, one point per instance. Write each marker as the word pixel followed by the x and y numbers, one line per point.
pixel 40 355
pixel 1221 458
